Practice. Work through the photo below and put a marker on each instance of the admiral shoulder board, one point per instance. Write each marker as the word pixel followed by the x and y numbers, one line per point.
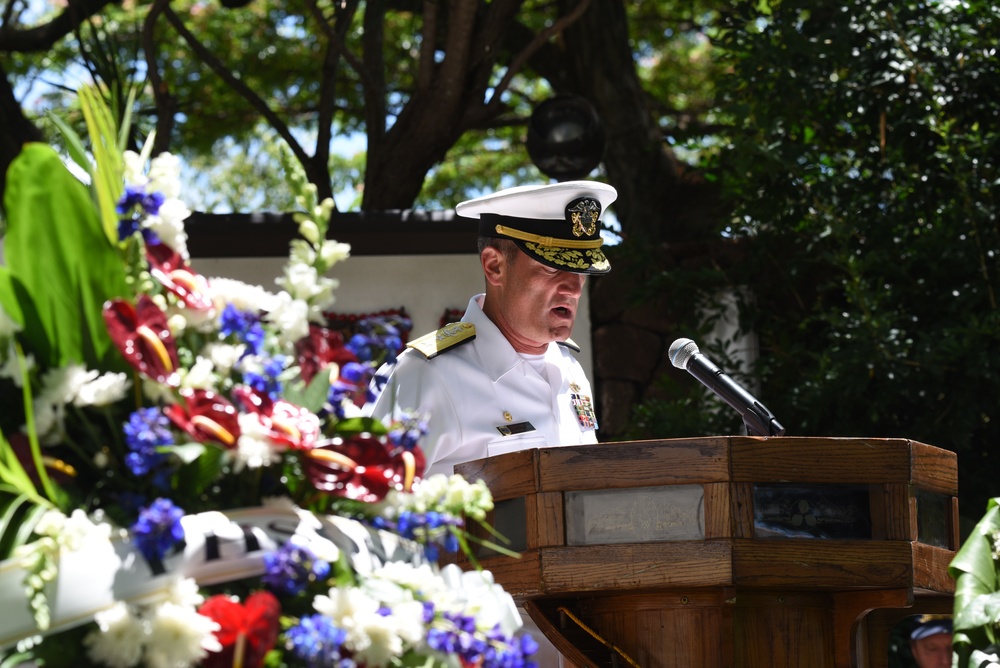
pixel 448 337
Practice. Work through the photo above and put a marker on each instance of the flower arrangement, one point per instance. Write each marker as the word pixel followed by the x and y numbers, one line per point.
pixel 186 476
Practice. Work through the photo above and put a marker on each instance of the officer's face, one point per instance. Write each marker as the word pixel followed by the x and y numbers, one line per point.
pixel 534 304
pixel 933 651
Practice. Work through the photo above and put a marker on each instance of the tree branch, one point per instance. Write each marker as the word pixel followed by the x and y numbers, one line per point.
pixel 216 65
pixel 45 36
pixel 521 58
pixel 162 99
pixel 425 67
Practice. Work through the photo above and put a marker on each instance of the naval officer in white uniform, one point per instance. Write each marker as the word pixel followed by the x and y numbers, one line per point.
pixel 506 377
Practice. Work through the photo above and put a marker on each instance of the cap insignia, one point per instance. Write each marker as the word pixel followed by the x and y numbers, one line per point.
pixel 584 214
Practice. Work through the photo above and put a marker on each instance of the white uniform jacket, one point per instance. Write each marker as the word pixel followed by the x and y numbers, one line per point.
pixel 481 398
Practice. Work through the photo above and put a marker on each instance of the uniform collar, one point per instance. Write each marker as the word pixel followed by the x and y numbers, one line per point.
pixel 495 351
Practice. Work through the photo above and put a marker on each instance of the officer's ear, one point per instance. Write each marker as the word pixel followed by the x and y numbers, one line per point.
pixel 494 265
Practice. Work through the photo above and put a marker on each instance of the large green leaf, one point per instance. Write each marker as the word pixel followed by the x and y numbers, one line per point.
pixel 62 265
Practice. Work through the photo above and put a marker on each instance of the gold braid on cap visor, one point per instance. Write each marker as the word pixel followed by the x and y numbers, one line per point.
pixel 552 242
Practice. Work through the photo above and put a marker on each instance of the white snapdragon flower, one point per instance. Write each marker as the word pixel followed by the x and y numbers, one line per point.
pixel 179 636
pixel 299 280
pixel 119 640
pixel 168 225
pixel 290 317
pixel 301 252
pixel 135 174
pixel 333 252
pixel 103 390
pixel 165 175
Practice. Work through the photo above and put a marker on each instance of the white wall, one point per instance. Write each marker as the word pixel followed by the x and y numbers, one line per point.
pixel 425 285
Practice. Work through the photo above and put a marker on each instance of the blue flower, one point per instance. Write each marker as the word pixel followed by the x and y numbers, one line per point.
pixel 316 641
pixel 158 529
pixel 291 568
pixel 146 430
pixel 133 197
pixel 267 380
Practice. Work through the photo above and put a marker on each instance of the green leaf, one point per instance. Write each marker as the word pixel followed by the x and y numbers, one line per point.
pixel 74 144
pixel 62 266
pixel 358 425
pixel 311 396
pixel 187 452
pixel 110 171
pixel 194 478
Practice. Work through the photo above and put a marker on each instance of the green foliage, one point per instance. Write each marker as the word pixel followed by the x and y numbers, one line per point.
pixel 977 593
pixel 60 264
pixel 863 172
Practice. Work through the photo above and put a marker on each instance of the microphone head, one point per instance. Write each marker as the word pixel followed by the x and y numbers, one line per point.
pixel 681 351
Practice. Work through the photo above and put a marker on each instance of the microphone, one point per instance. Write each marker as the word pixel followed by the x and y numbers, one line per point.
pixel 759 421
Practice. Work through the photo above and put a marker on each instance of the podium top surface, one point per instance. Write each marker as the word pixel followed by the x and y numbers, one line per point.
pixel 716 459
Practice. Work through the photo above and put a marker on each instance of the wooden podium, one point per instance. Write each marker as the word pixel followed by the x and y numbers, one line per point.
pixel 725 551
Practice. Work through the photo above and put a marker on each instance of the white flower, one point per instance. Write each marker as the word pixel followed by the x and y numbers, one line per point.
pixel 200 376
pixel 290 317
pixel 344 604
pixel 255 448
pixel 119 641
pixel 179 636
pixel 223 356
pixel 134 173
pixel 299 280
pixel 168 225
pixel 375 639
pixel 61 385
pixel 104 390
pixel 333 252
pixel 185 592
pixel 165 175
pixel 78 528
pixel 241 295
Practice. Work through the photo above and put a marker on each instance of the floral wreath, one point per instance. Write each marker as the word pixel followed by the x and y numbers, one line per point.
pixel 186 475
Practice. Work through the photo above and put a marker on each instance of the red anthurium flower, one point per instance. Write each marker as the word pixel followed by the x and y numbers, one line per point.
pixel 141 334
pixel 290 425
pixel 319 349
pixel 169 268
pixel 248 631
pixel 362 468
pixel 206 417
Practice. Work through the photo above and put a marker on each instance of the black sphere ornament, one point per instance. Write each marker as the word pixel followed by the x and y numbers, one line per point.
pixel 565 138
pixel 234 4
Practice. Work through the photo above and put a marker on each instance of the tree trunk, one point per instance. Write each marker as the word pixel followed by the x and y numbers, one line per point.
pixel 17 129
pixel 660 201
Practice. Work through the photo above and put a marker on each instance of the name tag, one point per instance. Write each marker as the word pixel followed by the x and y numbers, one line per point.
pixel 512 429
